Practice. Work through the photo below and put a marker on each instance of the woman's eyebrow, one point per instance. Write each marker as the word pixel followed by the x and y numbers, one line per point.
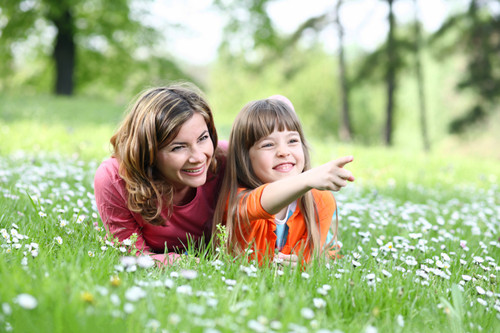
pixel 185 143
pixel 203 133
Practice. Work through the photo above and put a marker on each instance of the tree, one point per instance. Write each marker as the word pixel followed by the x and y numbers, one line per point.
pixel 64 48
pixel 250 33
pixel 474 33
pixel 386 63
pixel 420 80
pixel 85 30
pixel 345 129
pixel 390 76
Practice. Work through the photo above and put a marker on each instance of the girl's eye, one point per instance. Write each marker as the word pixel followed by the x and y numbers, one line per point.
pixel 266 145
pixel 294 140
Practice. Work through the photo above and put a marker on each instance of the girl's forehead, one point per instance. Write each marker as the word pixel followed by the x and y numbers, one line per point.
pixel 277 133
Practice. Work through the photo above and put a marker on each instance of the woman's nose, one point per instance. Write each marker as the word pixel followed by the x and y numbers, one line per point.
pixel 197 155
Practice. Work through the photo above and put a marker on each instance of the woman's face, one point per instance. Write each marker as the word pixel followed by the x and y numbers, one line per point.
pixel 184 162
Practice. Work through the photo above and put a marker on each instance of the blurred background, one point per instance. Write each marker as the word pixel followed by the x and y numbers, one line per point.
pixel 407 75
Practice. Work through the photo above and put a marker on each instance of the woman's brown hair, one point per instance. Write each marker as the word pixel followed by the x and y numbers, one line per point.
pixel 153 122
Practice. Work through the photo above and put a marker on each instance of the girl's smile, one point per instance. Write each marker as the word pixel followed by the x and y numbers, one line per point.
pixel 277 156
pixel 284 167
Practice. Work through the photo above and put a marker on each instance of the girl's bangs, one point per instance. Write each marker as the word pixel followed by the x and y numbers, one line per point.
pixel 269 115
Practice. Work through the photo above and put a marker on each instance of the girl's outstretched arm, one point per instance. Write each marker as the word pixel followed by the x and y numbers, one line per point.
pixel 329 176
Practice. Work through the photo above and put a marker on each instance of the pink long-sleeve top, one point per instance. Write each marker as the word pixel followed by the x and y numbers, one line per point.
pixel 193 220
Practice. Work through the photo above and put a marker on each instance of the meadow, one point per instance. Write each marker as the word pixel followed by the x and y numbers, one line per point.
pixel 419 233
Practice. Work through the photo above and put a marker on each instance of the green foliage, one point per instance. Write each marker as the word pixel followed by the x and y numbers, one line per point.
pixel 115 51
pixel 249 27
pixel 307 78
pixel 474 33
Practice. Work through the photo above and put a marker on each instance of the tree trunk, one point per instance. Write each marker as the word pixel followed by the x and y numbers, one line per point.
pixel 345 129
pixel 420 82
pixel 64 53
pixel 391 78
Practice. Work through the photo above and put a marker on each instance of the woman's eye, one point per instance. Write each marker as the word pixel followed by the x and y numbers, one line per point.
pixel 204 137
pixel 176 148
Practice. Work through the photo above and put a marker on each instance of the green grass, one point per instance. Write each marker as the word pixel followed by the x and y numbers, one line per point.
pixel 419 223
pixel 70 126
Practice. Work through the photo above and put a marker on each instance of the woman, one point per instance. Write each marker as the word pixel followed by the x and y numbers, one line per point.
pixel 164 175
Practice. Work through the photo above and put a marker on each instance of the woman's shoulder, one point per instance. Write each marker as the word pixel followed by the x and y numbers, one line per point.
pixel 108 171
pixel 223 145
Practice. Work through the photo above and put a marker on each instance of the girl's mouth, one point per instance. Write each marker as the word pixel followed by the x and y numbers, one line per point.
pixel 284 167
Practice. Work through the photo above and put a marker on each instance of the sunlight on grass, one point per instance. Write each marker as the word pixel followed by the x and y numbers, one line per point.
pixel 85 141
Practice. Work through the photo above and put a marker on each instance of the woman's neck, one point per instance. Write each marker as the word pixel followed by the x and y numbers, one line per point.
pixel 183 196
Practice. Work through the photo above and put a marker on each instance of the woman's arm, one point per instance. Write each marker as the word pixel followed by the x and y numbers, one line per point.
pixel 119 221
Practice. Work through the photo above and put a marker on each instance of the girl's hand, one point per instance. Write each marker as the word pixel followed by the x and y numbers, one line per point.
pixel 330 176
pixel 286 259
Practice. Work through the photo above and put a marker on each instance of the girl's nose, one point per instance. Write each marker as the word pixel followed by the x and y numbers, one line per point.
pixel 283 150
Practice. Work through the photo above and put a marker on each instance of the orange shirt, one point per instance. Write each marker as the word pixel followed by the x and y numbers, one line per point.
pixel 260 233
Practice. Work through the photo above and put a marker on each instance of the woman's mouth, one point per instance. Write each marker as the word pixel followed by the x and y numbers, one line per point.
pixel 194 172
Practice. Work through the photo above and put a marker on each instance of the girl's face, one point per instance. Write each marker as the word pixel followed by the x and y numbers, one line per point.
pixel 184 162
pixel 277 156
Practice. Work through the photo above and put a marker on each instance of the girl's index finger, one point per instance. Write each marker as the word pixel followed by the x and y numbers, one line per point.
pixel 340 162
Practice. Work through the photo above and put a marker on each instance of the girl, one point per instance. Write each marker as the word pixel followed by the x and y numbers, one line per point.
pixel 271 198
pixel 166 169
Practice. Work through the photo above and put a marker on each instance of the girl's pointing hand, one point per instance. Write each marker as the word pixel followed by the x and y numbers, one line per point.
pixel 331 176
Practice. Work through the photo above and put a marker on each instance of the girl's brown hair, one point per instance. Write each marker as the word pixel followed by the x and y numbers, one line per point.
pixel 153 122
pixel 255 121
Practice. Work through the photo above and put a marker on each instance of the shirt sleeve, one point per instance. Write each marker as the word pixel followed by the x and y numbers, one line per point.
pixel 250 205
pixel 325 202
pixel 111 202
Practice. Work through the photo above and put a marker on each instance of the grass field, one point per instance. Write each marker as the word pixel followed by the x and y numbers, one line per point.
pixel 420 235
